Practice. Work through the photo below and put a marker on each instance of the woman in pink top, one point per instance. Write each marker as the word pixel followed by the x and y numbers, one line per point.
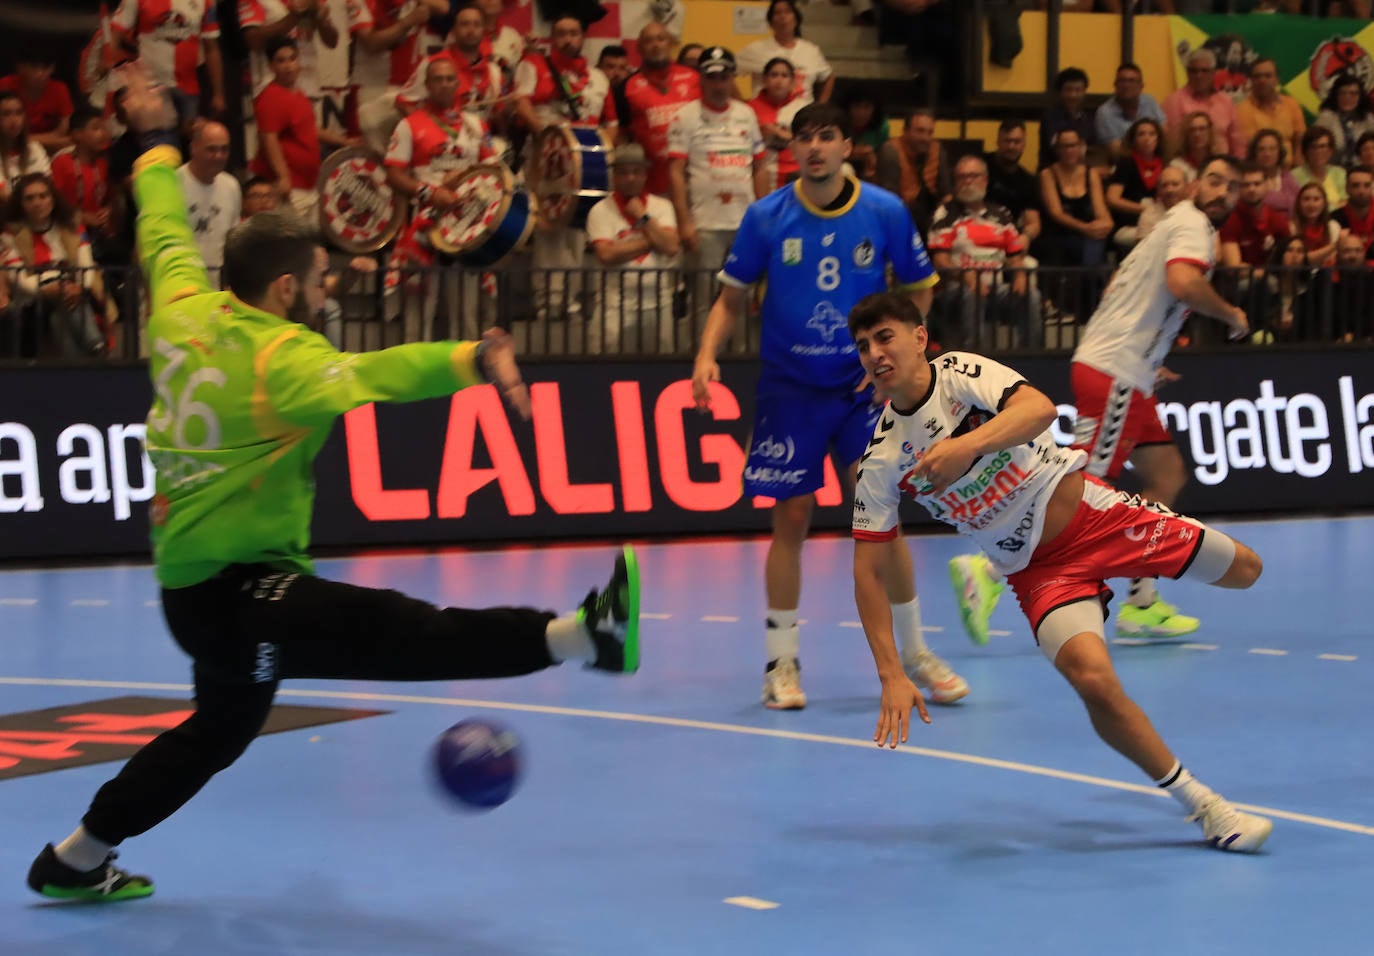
pixel 1270 155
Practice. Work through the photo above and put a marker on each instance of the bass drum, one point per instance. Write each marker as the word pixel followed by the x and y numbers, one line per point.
pixel 572 172
pixel 359 211
pixel 493 218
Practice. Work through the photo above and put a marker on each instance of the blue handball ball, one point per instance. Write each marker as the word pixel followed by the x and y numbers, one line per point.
pixel 478 763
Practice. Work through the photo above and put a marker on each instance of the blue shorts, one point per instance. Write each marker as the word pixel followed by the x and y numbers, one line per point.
pixel 795 427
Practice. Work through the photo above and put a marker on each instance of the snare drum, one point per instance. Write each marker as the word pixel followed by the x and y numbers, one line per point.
pixel 359 211
pixel 573 172
pixel 493 218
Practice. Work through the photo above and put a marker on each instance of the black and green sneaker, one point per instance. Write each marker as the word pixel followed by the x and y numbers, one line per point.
pixel 107 883
pixel 612 617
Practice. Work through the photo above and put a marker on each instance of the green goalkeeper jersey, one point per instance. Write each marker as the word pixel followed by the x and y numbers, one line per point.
pixel 243 401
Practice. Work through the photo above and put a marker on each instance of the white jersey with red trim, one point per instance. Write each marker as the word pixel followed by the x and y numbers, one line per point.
pixel 1138 319
pixel 719 147
pixel 433 150
pixel 261 13
pixel 999 502
pixel 169 34
pixel 376 70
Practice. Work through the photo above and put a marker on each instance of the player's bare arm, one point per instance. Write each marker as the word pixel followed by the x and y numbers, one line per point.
pixel 1188 283
pixel 899 694
pixel 1026 414
pixel 719 324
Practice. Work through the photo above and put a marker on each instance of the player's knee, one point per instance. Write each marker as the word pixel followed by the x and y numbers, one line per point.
pixel 792 519
pixel 1245 568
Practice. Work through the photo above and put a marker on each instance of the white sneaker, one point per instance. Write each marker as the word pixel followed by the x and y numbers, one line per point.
pixel 934 676
pixel 1226 828
pixel 782 685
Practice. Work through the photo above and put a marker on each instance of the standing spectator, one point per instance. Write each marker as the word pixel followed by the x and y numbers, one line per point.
pixel 1312 223
pixel 259 195
pixel 915 167
pixel 1300 289
pixel 1269 154
pixel 173 37
pixel 1318 146
pixel 1117 114
pixel 1010 184
pixel 718 167
pixel 614 61
pixel 870 132
pixel 307 22
pixel 506 43
pixel 213 197
pixel 1071 86
pixel 1267 108
pixel 81 176
pixel 53 271
pixel 19 153
pixel 981 241
pixel 1352 291
pixel 653 97
pixel 386 52
pixel 1201 95
pixel 1132 184
pixel 634 236
pixel 288 137
pixel 813 80
pixel 47 102
pixel 1357 215
pixel 480 81
pixel 690 55
pixel 1345 113
pixel 1195 145
pixel 774 107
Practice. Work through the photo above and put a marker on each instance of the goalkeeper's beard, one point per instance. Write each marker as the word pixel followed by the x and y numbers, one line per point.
pixel 301 313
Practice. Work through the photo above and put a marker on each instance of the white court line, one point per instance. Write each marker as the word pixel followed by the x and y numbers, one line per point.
pixel 750 902
pixel 719 619
pixel 1198 647
pixel 1337 657
pixel 90 602
pixel 18 602
pixel 654 617
pixel 1268 651
pixel 156 604
pixel 999 633
pixel 851 624
pixel 743 729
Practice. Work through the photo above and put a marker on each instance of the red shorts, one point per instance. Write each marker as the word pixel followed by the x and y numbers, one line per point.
pixel 1113 534
pixel 1114 418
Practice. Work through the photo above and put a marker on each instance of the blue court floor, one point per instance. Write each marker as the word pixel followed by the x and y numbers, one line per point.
pixel 670 813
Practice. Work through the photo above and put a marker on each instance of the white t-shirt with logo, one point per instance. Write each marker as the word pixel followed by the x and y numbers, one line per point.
pixel 808 62
pixel 212 210
pixel 999 502
pixel 624 289
pixel 720 148
pixel 1138 318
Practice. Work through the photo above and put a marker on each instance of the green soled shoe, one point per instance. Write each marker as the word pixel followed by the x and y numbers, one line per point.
pixel 105 884
pixel 611 615
pixel 977 592
pixel 1158 622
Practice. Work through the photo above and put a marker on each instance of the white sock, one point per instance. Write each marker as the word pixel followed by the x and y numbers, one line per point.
pixel 906 624
pixel 1184 788
pixel 991 569
pixel 1142 592
pixel 782 636
pixel 81 851
pixel 569 640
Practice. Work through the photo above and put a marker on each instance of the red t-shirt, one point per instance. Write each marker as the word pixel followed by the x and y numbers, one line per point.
pixel 288 114
pixel 46 112
pixel 1256 232
pixel 653 104
pixel 85 185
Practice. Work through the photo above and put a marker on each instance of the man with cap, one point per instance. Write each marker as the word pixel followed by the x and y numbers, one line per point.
pixel 716 168
pixel 653 97
pixel 634 236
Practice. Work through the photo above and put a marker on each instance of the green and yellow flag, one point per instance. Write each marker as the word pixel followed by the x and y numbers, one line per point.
pixel 1309 52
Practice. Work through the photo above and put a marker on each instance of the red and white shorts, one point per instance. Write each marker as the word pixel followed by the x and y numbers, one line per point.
pixel 1113 534
pixel 1114 419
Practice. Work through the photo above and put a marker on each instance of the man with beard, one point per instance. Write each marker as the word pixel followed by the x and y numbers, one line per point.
pixel 1116 368
pixel 652 99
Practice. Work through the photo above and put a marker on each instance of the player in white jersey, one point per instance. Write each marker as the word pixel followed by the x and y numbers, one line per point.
pixel 1116 368
pixel 969 439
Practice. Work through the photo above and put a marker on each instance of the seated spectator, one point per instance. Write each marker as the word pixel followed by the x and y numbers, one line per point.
pixel 1071 88
pixel 213 196
pixel 1194 146
pixel 1201 95
pixel 19 154
pixel 1129 103
pixel 1318 145
pixel 81 176
pixel 774 107
pixel 982 304
pixel 47 102
pixel 1312 223
pixel 1345 113
pixel 259 195
pixel 634 236
pixel 1269 154
pixel 814 80
pixel 1254 229
pixel 1010 184
pixel 915 167
pixel 1357 215
pixel 1171 190
pixel 1352 291
pixel 1077 222
pixel 870 132
pixel 289 145
pixel 1132 184
pixel 54 273
pixel 1297 301
pixel 1364 151
pixel 1265 107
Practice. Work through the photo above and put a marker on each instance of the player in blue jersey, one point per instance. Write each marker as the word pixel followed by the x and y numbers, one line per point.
pixel 822 243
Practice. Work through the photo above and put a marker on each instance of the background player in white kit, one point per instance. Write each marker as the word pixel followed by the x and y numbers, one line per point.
pixel 969 439
pixel 1116 367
